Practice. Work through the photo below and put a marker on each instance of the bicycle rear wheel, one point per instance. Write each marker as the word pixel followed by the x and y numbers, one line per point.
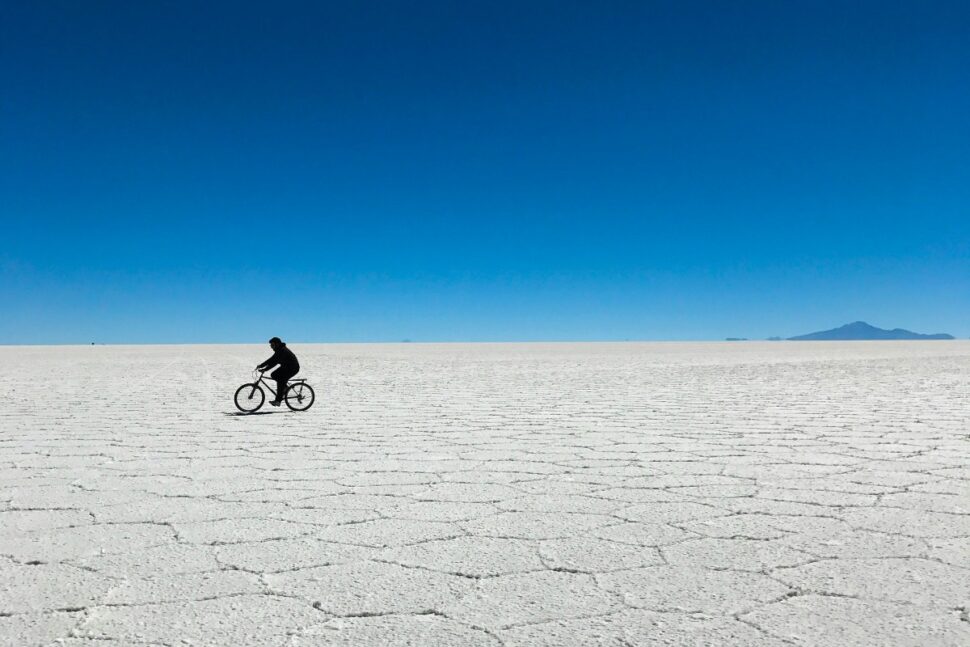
pixel 249 398
pixel 299 396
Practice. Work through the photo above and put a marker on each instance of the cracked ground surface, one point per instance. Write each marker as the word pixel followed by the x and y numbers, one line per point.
pixel 535 494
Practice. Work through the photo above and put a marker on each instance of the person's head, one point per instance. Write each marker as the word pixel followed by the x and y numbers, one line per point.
pixel 275 343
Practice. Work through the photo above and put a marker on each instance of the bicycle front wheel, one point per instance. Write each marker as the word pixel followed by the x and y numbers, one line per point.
pixel 299 396
pixel 249 398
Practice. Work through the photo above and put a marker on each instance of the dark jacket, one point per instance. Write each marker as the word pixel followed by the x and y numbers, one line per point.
pixel 285 358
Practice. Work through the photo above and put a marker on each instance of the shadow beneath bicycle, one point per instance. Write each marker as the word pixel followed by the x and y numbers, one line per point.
pixel 254 413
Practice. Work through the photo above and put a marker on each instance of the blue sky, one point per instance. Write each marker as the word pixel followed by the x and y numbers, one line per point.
pixel 351 171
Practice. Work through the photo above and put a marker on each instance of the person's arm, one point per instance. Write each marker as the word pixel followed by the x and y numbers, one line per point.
pixel 272 361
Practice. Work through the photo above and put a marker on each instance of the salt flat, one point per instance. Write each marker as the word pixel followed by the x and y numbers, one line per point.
pixel 534 494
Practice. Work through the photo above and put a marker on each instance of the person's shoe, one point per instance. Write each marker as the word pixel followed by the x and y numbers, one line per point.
pixel 276 403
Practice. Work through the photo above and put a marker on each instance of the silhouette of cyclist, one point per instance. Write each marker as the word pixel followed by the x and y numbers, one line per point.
pixel 289 366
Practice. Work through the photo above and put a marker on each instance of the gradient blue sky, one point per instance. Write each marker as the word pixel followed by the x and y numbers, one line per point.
pixel 375 171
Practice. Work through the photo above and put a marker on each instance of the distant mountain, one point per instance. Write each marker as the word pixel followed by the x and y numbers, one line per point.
pixel 862 330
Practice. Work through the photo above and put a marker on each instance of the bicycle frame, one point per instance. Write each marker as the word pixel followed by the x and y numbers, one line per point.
pixel 265 381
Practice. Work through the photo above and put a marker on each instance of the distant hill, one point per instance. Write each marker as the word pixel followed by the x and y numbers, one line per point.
pixel 861 330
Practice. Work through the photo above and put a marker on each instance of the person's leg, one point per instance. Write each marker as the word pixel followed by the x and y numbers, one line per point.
pixel 281 377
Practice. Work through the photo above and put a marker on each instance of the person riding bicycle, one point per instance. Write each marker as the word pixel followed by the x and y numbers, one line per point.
pixel 289 366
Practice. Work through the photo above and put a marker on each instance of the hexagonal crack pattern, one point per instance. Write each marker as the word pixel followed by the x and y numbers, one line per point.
pixel 499 495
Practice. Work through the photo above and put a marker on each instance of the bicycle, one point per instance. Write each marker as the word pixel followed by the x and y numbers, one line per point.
pixel 250 397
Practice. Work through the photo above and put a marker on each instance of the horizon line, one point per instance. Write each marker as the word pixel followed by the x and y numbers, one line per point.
pixel 430 342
